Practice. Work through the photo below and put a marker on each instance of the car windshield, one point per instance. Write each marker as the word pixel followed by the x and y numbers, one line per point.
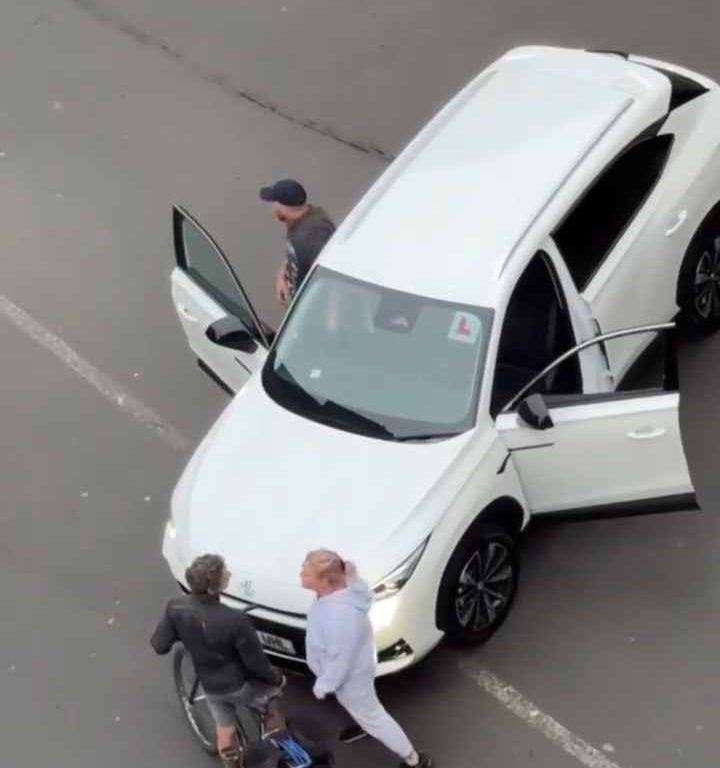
pixel 379 362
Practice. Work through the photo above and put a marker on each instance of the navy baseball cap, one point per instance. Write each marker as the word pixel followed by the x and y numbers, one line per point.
pixel 285 191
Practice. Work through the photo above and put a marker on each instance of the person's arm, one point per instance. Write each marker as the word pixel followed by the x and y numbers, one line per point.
pixel 164 636
pixel 308 248
pixel 341 637
pixel 281 284
pixel 253 657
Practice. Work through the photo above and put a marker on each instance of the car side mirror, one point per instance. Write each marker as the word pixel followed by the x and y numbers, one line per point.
pixel 230 332
pixel 534 412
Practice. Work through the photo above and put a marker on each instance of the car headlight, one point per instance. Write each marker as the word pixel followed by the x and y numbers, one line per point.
pixel 395 580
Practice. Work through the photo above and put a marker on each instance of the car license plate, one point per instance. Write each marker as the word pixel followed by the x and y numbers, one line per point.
pixel 275 643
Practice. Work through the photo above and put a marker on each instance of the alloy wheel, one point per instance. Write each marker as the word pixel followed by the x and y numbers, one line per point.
pixel 484 587
pixel 707 282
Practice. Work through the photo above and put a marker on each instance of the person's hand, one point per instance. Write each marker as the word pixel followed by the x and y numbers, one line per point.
pixel 350 570
pixel 281 290
pixel 281 679
pixel 318 692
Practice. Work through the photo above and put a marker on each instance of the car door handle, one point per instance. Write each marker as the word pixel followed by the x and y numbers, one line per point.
pixel 647 433
pixel 677 224
pixel 187 314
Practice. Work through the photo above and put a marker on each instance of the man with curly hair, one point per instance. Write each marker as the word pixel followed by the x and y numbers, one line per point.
pixel 225 650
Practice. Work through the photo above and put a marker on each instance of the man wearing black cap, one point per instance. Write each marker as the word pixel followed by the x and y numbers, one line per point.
pixel 308 229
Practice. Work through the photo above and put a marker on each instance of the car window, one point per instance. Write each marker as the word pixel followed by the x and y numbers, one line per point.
pixel 651 367
pixel 654 370
pixel 409 364
pixel 208 268
pixel 536 330
pixel 592 228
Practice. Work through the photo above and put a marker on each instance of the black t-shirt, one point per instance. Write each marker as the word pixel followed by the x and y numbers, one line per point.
pixel 305 239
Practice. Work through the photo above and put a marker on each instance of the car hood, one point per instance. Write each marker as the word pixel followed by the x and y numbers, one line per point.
pixel 266 486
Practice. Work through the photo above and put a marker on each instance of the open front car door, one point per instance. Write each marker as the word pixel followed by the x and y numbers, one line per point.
pixel 221 326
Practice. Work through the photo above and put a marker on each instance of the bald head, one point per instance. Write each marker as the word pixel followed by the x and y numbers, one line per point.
pixel 323 571
pixel 328 564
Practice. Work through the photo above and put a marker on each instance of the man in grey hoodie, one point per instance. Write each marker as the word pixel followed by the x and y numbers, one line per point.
pixel 341 653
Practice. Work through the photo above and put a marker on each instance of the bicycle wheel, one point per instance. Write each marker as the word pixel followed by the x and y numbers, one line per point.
pixel 193 701
pixel 194 704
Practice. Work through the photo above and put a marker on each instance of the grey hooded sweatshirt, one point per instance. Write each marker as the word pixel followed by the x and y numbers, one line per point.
pixel 340 643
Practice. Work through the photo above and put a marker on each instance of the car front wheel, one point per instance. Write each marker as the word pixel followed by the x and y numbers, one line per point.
pixel 478 585
pixel 699 280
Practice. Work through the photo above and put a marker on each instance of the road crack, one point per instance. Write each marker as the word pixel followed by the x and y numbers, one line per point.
pixel 221 80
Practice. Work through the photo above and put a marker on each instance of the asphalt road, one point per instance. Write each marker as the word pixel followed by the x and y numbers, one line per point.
pixel 111 111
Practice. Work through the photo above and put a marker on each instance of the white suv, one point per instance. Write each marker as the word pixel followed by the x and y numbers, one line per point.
pixel 451 365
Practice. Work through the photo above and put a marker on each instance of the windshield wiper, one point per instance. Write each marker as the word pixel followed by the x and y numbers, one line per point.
pixel 331 413
pixel 288 379
pixel 423 437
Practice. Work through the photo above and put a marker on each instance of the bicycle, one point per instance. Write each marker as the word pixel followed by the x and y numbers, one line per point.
pixel 293 750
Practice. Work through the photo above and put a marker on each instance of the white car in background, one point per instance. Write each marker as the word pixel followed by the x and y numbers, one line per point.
pixel 452 364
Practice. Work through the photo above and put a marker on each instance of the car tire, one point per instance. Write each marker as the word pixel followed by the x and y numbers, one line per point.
pixel 698 291
pixel 478 586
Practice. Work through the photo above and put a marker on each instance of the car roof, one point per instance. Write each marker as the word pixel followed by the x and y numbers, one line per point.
pixel 451 211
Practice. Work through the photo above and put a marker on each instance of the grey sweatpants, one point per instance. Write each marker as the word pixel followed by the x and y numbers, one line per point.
pixel 360 700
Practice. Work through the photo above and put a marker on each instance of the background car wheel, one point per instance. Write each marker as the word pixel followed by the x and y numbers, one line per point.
pixel 699 279
pixel 478 585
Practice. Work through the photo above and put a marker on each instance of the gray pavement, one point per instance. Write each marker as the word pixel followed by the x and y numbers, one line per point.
pixel 372 72
pixel 110 112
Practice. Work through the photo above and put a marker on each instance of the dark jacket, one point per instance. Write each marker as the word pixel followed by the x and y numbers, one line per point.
pixel 222 642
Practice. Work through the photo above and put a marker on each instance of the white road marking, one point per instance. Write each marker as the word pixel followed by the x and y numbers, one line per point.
pixel 102 383
pixel 527 711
